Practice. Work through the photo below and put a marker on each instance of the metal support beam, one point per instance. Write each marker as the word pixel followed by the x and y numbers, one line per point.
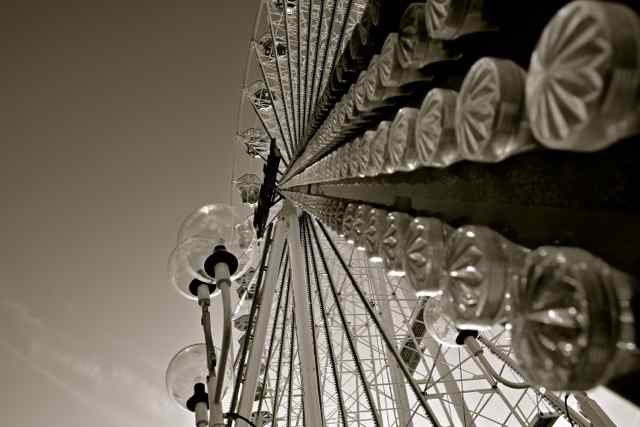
pixel 555 401
pixel 310 398
pixel 259 338
pixel 399 388
pixel 592 410
pixel 389 343
pixel 310 255
pixel 441 366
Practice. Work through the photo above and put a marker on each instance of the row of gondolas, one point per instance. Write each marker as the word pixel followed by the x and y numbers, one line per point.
pixel 580 93
pixel 571 314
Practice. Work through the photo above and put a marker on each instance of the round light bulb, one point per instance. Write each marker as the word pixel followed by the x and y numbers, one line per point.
pixel 438 323
pixel 186 263
pixel 220 224
pixel 187 368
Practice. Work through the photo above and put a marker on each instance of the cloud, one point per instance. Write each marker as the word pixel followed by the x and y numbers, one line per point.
pixel 122 392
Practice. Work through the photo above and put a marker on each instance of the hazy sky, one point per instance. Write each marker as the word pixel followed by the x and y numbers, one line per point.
pixel 117 120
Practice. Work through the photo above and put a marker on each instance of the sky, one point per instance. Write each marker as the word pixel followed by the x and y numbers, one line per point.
pixel 117 120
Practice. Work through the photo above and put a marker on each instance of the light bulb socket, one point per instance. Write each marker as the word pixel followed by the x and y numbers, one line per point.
pixel 195 284
pixel 464 334
pixel 220 254
pixel 199 396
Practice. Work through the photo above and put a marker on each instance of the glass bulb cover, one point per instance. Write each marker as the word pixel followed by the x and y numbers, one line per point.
pixel 393 243
pixel 374 91
pixel 413 39
pixel 424 254
pixel 189 367
pixel 481 272
pixel 359 92
pixel 348 218
pixel 220 224
pixel 360 222
pixel 450 19
pixel 186 263
pixel 572 319
pixel 390 72
pixel 354 157
pixel 213 222
pixel 378 148
pixel 400 151
pixel 436 143
pixel 373 233
pixel 583 84
pixel 491 122
pixel 439 323
pixel 363 152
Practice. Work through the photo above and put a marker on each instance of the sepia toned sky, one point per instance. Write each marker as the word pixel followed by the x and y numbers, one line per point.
pixel 117 120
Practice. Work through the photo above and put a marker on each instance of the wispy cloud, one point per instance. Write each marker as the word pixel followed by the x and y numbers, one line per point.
pixel 119 391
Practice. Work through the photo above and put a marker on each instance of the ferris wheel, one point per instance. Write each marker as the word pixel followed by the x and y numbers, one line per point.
pixel 432 247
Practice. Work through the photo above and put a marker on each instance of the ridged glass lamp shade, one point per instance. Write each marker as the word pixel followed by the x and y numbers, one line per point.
pixel 583 85
pixel 390 72
pixel 373 234
pixel 378 148
pixel 424 254
pixel 416 49
pixel 186 263
pixel 220 224
pixel 400 151
pixel 187 368
pixel 573 326
pixel 491 122
pixel 438 323
pixel 436 142
pixel 450 19
pixel 354 158
pixel 364 152
pixel 346 229
pixel 413 40
pixel 481 272
pixel 360 223
pixel 359 92
pixel 374 90
pixel 393 243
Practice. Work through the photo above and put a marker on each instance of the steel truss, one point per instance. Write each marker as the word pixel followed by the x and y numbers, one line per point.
pixel 342 343
pixel 372 359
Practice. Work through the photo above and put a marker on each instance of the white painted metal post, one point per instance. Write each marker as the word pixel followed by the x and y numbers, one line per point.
pixel 399 386
pixel 311 398
pixel 260 334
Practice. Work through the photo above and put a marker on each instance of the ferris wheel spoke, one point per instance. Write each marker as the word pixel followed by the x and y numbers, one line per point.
pixel 273 78
pixel 374 319
pixel 317 18
pixel 283 339
pixel 348 334
pixel 285 283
